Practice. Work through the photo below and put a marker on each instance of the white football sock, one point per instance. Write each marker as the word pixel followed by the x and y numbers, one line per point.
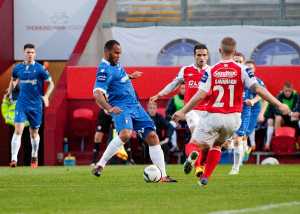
pixel 157 157
pixel 174 135
pixel 270 131
pixel 174 139
pixel 115 144
pixel 252 138
pixel 243 147
pixel 238 155
pixel 15 146
pixel 35 146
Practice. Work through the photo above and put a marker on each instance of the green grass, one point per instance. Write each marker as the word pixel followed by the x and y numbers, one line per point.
pixel 122 190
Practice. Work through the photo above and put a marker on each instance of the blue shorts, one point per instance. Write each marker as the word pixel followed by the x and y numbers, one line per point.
pixel 245 117
pixel 253 120
pixel 134 118
pixel 33 114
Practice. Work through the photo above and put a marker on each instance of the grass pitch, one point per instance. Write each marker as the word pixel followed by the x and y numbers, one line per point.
pixel 121 189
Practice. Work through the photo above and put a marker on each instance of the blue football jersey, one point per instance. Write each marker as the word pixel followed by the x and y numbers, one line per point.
pixel 252 94
pixel 248 94
pixel 115 83
pixel 31 78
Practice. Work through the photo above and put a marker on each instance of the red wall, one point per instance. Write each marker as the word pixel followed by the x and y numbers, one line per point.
pixel 80 80
pixel 76 86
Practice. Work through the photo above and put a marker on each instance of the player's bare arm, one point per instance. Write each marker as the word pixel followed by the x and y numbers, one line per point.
pixel 48 92
pixel 199 96
pixel 167 89
pixel 135 74
pixel 101 101
pixel 251 102
pixel 264 106
pixel 12 84
pixel 266 95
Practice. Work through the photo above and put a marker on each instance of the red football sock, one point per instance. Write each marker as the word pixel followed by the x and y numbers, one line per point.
pixel 213 158
pixel 189 148
pixel 198 161
pixel 204 156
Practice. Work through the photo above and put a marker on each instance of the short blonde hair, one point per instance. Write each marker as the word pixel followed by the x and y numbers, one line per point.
pixel 228 45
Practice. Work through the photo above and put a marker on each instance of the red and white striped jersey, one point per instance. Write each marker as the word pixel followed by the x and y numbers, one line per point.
pixel 226 81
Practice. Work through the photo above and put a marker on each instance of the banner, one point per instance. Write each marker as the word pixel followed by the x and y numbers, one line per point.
pixel 152 46
pixel 53 26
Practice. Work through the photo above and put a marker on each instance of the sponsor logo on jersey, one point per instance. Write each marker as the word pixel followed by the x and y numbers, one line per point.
pixel 33 82
pixel 225 74
pixel 101 75
pixel 204 77
pixel 140 132
pixel 250 72
pixel 193 84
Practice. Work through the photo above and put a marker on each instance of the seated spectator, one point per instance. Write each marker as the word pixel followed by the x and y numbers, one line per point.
pixel 289 97
pixel 175 104
pixel 295 115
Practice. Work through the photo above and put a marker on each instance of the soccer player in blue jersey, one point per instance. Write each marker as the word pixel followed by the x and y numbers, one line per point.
pixel 126 111
pixel 258 107
pixel 30 75
pixel 251 110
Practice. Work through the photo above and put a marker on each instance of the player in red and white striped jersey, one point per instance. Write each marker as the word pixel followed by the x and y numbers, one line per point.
pixel 191 76
pixel 225 81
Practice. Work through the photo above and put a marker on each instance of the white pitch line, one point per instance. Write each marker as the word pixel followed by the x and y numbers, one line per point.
pixel 259 208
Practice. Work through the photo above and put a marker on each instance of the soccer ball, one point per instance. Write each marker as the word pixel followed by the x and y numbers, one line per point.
pixel 270 161
pixel 152 174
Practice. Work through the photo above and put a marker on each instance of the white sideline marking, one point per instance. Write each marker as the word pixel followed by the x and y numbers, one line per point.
pixel 259 208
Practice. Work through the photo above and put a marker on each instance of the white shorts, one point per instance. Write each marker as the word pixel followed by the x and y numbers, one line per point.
pixel 193 118
pixel 216 127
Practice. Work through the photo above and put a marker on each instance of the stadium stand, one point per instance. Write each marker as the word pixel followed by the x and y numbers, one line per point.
pixel 176 11
pixel 148 11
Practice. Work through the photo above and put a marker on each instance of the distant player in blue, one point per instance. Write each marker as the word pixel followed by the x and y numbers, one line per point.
pixel 126 111
pixel 31 76
pixel 257 107
pixel 251 110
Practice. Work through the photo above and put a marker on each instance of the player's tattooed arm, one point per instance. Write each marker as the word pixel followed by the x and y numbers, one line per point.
pixel 101 101
pixel 135 75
